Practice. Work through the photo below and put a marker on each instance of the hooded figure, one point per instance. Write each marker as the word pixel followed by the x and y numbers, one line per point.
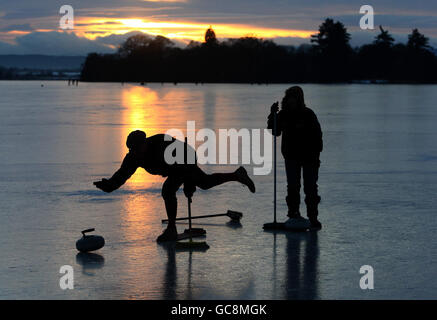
pixel 301 146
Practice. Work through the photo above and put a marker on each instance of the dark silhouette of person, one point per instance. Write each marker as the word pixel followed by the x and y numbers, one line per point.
pixel 149 153
pixel 301 146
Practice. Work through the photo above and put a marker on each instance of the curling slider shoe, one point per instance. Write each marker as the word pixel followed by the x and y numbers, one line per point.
pixel 297 224
pixel 234 215
pixel 89 242
pixel 274 226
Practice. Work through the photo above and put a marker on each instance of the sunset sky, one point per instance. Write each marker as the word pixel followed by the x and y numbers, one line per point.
pixel 100 25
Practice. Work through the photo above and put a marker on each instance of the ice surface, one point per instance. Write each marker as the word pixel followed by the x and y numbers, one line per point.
pixel 378 182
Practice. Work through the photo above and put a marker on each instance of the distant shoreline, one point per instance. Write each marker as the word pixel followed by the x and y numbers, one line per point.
pixel 360 82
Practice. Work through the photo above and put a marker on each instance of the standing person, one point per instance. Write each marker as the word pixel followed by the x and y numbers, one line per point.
pixel 301 146
pixel 149 154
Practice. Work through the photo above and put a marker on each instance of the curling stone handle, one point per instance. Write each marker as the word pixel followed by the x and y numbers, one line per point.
pixel 87 230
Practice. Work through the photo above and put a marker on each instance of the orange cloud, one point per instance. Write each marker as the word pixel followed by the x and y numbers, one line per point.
pixel 91 27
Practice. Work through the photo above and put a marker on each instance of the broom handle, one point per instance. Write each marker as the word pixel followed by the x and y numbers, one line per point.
pixel 189 198
pixel 189 214
pixel 199 217
pixel 274 167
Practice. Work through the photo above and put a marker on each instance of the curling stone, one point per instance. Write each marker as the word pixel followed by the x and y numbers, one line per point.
pixel 89 242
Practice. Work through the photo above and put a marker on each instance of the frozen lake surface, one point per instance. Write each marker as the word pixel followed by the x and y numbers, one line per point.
pixel 378 182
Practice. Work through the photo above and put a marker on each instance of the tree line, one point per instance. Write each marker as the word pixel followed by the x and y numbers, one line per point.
pixel 328 59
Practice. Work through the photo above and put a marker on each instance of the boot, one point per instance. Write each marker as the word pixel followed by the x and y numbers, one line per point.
pixel 169 234
pixel 315 224
pixel 294 214
pixel 243 177
pixel 312 213
pixel 293 208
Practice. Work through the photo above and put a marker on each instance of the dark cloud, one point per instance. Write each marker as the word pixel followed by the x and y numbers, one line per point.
pixel 116 39
pixel 17 27
pixel 306 12
pixel 7 48
pixel 398 16
pixel 63 43
pixel 53 43
pixel 124 11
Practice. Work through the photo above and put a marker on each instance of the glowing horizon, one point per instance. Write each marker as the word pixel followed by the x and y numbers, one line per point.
pixel 93 27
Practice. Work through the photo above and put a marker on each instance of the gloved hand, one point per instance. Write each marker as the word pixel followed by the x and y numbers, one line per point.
pixel 104 185
pixel 189 189
pixel 275 107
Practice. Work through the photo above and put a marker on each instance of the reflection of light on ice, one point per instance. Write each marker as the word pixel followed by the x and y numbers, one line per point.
pixel 147 110
pixel 152 111
pixel 140 211
pixel 140 113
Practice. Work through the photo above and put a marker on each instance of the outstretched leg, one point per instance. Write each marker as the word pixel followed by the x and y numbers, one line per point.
pixel 207 181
